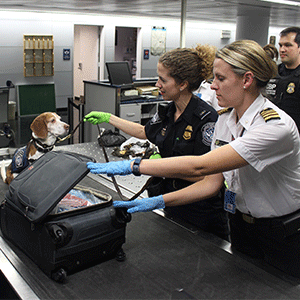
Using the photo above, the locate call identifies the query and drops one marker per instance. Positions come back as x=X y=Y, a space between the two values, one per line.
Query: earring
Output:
x=244 y=87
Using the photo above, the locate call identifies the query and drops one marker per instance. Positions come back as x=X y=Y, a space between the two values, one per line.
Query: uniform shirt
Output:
x=270 y=185
x=208 y=95
x=190 y=134
x=284 y=91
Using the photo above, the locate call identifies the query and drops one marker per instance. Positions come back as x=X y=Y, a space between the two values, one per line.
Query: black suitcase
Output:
x=61 y=242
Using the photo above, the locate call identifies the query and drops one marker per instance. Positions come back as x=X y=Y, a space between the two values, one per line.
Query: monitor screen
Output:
x=119 y=72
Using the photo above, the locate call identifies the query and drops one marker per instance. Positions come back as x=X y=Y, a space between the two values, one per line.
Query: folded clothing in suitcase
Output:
x=61 y=240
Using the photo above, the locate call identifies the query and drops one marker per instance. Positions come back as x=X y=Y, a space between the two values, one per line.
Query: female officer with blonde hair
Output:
x=256 y=149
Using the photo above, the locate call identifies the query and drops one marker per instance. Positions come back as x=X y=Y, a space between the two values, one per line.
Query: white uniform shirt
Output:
x=270 y=185
x=208 y=95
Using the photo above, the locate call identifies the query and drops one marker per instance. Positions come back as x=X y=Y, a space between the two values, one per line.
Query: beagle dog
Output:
x=46 y=128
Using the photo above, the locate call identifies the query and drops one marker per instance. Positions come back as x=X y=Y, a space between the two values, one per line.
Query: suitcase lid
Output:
x=40 y=187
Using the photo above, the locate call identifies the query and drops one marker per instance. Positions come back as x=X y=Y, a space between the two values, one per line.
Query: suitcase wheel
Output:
x=59 y=275
x=120 y=256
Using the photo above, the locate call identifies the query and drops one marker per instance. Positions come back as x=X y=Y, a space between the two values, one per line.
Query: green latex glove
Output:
x=155 y=155
x=97 y=117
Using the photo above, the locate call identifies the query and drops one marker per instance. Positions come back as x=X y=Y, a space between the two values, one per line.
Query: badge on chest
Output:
x=291 y=88
x=188 y=132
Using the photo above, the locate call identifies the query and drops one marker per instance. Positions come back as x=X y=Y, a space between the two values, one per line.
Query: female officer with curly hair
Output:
x=184 y=127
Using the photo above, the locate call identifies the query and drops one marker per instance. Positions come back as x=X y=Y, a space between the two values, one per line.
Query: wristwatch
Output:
x=136 y=166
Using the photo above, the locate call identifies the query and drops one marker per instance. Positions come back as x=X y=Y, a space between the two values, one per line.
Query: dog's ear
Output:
x=39 y=127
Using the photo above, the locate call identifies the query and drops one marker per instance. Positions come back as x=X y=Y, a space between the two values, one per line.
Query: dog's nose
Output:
x=67 y=126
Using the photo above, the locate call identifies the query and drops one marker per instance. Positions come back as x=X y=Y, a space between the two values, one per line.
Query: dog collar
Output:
x=40 y=146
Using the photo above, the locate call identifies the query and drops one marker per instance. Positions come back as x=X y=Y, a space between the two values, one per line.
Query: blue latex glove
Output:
x=111 y=168
x=141 y=205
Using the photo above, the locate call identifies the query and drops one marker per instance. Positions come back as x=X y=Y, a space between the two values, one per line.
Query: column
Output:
x=253 y=23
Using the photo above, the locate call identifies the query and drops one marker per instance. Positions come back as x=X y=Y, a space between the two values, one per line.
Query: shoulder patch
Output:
x=224 y=110
x=204 y=113
x=155 y=119
x=269 y=114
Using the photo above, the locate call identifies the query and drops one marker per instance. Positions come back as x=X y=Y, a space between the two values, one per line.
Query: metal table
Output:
x=165 y=260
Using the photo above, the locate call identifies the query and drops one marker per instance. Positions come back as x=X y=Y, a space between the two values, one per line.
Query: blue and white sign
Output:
x=66 y=54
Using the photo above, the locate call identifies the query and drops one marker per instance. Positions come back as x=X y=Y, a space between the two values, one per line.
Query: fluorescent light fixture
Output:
x=286 y=2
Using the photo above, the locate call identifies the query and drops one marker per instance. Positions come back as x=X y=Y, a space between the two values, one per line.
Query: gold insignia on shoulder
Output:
x=224 y=110
x=291 y=88
x=269 y=114
x=188 y=132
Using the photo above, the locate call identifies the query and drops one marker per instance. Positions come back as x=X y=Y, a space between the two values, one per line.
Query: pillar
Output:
x=253 y=24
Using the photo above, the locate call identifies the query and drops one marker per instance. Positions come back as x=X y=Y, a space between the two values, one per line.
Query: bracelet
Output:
x=136 y=166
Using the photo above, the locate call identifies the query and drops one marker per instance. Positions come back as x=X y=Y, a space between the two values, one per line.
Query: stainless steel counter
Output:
x=164 y=260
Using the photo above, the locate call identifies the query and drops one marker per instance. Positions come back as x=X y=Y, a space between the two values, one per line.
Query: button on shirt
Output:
x=270 y=185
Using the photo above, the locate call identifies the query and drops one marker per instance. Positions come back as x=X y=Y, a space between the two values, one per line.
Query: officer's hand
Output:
x=112 y=168
x=97 y=117
x=141 y=205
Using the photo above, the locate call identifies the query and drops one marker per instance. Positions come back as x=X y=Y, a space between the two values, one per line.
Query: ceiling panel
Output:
x=212 y=10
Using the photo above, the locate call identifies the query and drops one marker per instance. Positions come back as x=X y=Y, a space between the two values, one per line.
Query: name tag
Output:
x=229 y=201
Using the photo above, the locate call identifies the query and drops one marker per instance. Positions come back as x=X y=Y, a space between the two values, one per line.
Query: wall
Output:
x=14 y=24
x=12 y=27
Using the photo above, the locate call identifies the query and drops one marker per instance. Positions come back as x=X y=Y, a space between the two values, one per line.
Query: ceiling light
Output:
x=287 y=2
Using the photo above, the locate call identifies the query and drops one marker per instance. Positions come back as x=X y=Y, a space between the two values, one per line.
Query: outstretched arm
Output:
x=201 y=190
x=134 y=129
x=216 y=161
x=131 y=128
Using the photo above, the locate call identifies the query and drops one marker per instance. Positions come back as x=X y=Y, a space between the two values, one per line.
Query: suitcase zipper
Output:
x=79 y=211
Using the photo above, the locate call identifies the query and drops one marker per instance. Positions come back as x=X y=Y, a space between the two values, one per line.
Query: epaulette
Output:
x=269 y=114
x=224 y=110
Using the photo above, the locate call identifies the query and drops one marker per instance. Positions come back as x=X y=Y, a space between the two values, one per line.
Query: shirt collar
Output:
x=248 y=117
x=189 y=111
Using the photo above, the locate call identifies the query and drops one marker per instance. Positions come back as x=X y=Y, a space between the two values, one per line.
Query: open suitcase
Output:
x=61 y=239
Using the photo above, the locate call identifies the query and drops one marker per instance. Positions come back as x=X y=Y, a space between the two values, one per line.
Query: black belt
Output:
x=249 y=219
x=252 y=220
x=284 y=226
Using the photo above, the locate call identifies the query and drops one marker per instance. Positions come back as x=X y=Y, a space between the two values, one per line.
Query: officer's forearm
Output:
x=131 y=128
x=201 y=190
x=219 y=160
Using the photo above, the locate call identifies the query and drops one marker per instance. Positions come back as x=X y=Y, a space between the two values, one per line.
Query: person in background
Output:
x=284 y=89
x=207 y=94
x=184 y=127
x=255 y=149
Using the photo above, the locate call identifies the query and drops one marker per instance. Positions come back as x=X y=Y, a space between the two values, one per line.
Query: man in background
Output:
x=284 y=90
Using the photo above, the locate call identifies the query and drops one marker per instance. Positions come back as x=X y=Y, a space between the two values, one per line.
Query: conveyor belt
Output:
x=164 y=261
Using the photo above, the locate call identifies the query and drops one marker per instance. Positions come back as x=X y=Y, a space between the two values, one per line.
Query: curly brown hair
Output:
x=192 y=65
